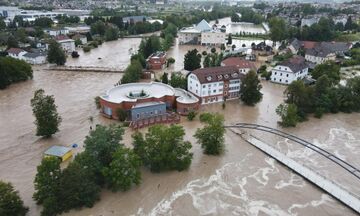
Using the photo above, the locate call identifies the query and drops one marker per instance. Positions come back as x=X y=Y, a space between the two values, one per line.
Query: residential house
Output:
x=67 y=44
x=35 y=58
x=290 y=70
x=16 y=53
x=157 y=61
x=244 y=66
x=80 y=37
x=134 y=19
x=215 y=84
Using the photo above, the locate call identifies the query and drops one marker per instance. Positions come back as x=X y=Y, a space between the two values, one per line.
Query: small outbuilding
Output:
x=61 y=152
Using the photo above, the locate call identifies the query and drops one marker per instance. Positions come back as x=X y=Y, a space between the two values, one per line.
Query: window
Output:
x=280 y=80
x=287 y=75
x=138 y=115
x=286 y=81
x=214 y=91
x=280 y=74
x=275 y=73
x=204 y=86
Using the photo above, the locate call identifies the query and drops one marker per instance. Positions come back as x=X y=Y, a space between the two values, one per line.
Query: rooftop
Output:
x=121 y=93
x=185 y=97
x=217 y=74
x=295 y=63
x=15 y=51
x=57 y=151
x=238 y=62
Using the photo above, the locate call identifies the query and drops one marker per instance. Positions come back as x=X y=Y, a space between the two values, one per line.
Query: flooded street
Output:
x=243 y=181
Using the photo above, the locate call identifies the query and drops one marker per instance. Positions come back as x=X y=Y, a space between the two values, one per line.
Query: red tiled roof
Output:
x=217 y=74
x=308 y=44
x=238 y=62
x=15 y=51
x=61 y=37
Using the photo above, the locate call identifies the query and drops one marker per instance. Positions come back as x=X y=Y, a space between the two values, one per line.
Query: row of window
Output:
x=280 y=80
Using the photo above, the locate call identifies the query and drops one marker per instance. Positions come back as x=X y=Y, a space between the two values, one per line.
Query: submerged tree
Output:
x=10 y=201
x=192 y=60
x=211 y=137
x=124 y=170
x=56 y=54
x=289 y=114
x=250 y=89
x=163 y=148
x=45 y=111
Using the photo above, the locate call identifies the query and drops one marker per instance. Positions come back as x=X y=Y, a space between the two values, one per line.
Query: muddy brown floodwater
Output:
x=242 y=181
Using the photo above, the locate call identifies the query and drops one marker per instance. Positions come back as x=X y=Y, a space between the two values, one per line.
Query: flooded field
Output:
x=243 y=181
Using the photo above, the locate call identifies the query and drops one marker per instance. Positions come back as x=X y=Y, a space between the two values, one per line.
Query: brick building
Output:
x=157 y=61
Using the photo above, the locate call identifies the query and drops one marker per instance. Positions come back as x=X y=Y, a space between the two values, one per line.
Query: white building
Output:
x=203 y=34
x=213 y=37
x=215 y=84
x=31 y=16
x=16 y=53
x=290 y=70
x=55 y=32
x=35 y=58
x=9 y=12
x=67 y=44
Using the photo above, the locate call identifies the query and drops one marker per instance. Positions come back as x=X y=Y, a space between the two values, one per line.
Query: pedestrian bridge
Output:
x=347 y=197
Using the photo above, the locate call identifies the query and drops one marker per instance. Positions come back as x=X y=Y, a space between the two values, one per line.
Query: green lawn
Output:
x=348 y=37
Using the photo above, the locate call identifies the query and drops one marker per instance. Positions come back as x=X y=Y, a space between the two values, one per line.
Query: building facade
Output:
x=145 y=100
x=244 y=66
x=157 y=61
x=290 y=70
x=67 y=44
x=216 y=84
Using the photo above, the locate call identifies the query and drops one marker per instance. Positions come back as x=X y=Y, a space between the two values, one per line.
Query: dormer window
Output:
x=234 y=75
x=220 y=77
x=226 y=76
x=209 y=78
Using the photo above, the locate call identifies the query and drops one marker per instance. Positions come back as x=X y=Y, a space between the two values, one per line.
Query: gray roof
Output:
x=217 y=74
x=295 y=63
x=57 y=151
x=34 y=55
x=203 y=26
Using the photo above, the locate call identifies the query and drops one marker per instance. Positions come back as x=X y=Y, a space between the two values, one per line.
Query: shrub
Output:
x=86 y=48
x=191 y=115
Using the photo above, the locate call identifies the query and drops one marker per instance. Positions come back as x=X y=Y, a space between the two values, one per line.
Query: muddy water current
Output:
x=243 y=181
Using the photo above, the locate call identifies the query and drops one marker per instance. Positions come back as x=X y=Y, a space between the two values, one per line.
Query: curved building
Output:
x=146 y=100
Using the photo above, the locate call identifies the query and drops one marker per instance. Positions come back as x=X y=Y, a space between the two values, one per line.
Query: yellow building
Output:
x=61 y=152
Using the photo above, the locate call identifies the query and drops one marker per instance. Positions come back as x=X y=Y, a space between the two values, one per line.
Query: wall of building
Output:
x=320 y=60
x=145 y=112
x=284 y=75
x=213 y=38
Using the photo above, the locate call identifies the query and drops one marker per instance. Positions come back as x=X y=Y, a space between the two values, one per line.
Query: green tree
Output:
x=330 y=69
x=177 y=80
x=191 y=115
x=163 y=148
x=121 y=114
x=192 y=60
x=132 y=73
x=250 y=89
x=10 y=201
x=229 y=40
x=13 y=70
x=102 y=142
x=45 y=111
x=164 y=78
x=211 y=137
x=12 y=42
x=56 y=54
x=2 y=25
x=98 y=27
x=150 y=45
x=78 y=188
x=139 y=57
x=278 y=29
x=124 y=170
x=207 y=61
x=289 y=114
x=111 y=33
x=47 y=185
x=43 y=22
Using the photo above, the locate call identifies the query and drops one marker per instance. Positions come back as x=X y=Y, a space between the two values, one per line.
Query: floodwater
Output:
x=242 y=181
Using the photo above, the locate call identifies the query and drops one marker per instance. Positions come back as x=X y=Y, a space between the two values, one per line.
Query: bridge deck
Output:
x=348 y=198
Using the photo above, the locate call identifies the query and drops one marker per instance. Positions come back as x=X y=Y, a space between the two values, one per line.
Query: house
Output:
x=80 y=37
x=157 y=61
x=35 y=58
x=215 y=84
x=290 y=70
x=67 y=44
x=262 y=48
x=325 y=51
x=56 y=31
x=244 y=66
x=309 y=21
x=16 y=53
